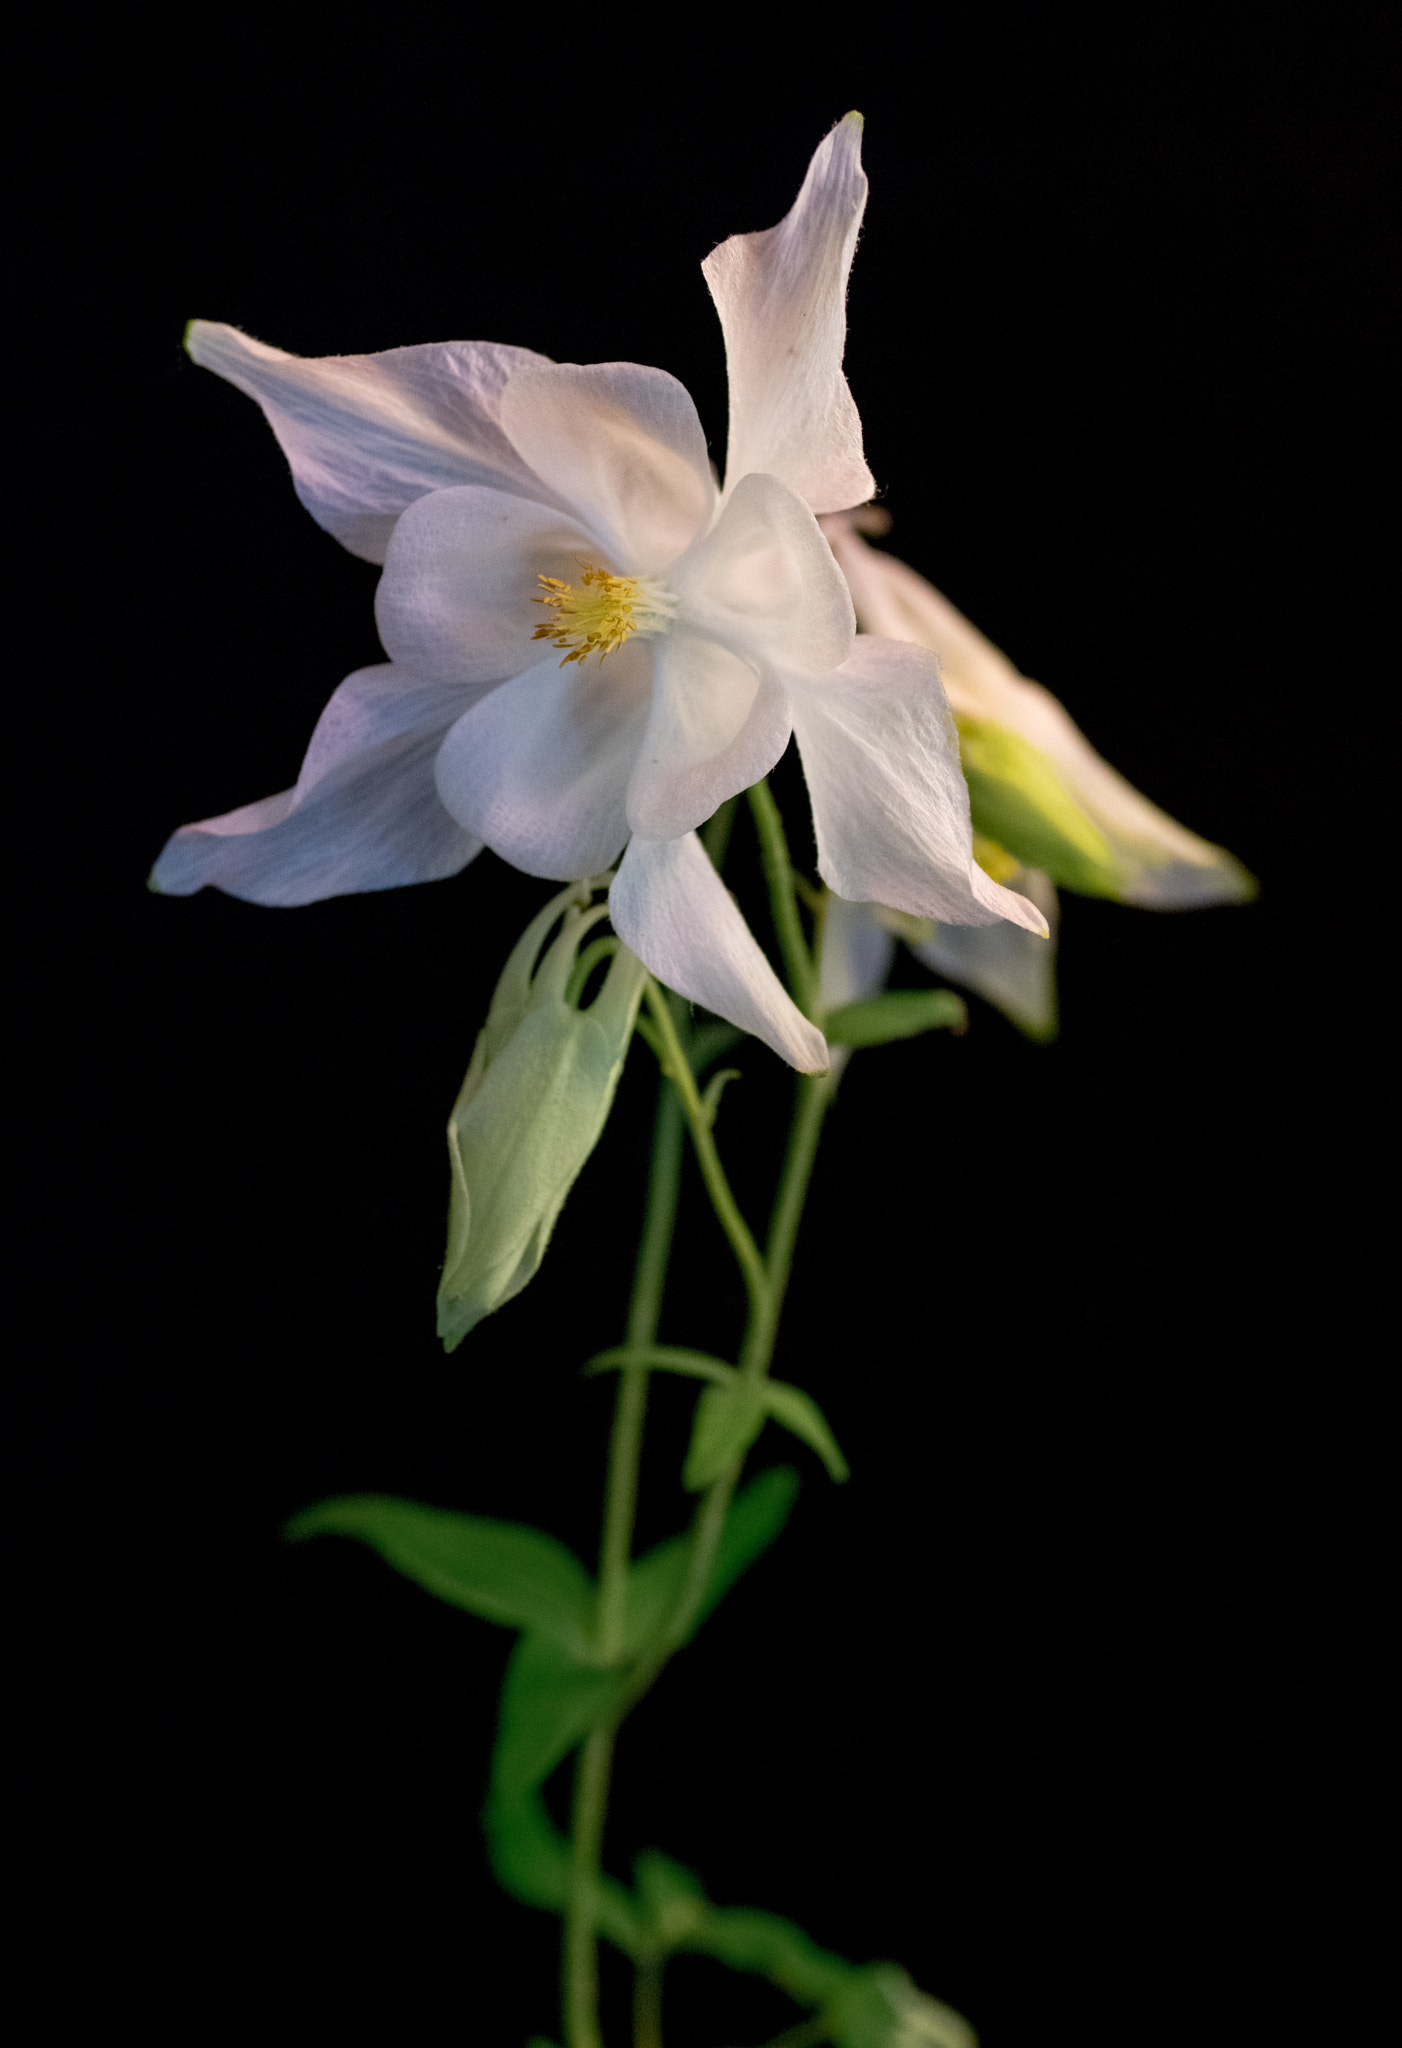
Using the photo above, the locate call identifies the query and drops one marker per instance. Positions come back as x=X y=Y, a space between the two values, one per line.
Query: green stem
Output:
x=647 y=2004
x=815 y=1092
x=581 y=1948
x=625 y=1447
x=778 y=873
x=580 y=1960
x=677 y=1068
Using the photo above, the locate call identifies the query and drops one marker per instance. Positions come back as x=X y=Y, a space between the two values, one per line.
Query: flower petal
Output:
x=672 y=908
x=781 y=296
x=621 y=444
x=1011 y=968
x=455 y=603
x=364 y=813
x=764 y=583
x=890 y=806
x=367 y=435
x=539 y=769
x=856 y=956
x=714 y=728
x=1165 y=866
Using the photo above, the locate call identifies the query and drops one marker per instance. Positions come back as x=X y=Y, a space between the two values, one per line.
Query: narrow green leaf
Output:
x=715 y=1088
x=549 y=1702
x=663 y=1358
x=728 y=1419
x=501 y=1570
x=757 y=1514
x=800 y=1413
x=899 y=1013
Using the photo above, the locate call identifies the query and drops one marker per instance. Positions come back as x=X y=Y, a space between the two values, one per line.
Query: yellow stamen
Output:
x=604 y=612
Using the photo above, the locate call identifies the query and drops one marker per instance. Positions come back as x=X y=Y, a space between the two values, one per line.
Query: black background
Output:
x=1035 y=1705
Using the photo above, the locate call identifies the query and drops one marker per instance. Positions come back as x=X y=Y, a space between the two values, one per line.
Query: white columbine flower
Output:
x=591 y=646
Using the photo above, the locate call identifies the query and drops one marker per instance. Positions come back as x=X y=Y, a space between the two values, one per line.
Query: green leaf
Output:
x=728 y=1419
x=768 y=1946
x=501 y=1570
x=530 y=1858
x=663 y=1358
x=900 y=1013
x=800 y=1413
x=715 y=1088
x=757 y=1514
x=549 y=1702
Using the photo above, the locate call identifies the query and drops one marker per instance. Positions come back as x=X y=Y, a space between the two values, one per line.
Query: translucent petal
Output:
x=781 y=296
x=364 y=813
x=669 y=904
x=539 y=768
x=622 y=444
x=458 y=600
x=1011 y=968
x=714 y=728
x=367 y=435
x=890 y=806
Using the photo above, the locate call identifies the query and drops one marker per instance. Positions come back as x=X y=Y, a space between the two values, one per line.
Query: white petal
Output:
x=623 y=446
x=890 y=804
x=367 y=435
x=714 y=728
x=672 y=908
x=539 y=769
x=457 y=600
x=781 y=296
x=364 y=813
x=856 y=957
x=764 y=583
x=1010 y=968
x=1167 y=867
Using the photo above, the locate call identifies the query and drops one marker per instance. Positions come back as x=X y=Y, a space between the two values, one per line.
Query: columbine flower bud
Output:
x=539 y=1088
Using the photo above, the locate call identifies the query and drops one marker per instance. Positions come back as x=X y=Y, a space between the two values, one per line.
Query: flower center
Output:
x=603 y=612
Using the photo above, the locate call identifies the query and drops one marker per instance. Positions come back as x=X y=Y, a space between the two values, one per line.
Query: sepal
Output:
x=1020 y=803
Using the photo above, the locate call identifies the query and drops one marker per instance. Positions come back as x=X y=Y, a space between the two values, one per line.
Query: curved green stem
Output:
x=778 y=873
x=677 y=1068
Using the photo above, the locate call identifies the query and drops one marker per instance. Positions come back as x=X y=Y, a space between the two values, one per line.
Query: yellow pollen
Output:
x=603 y=612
